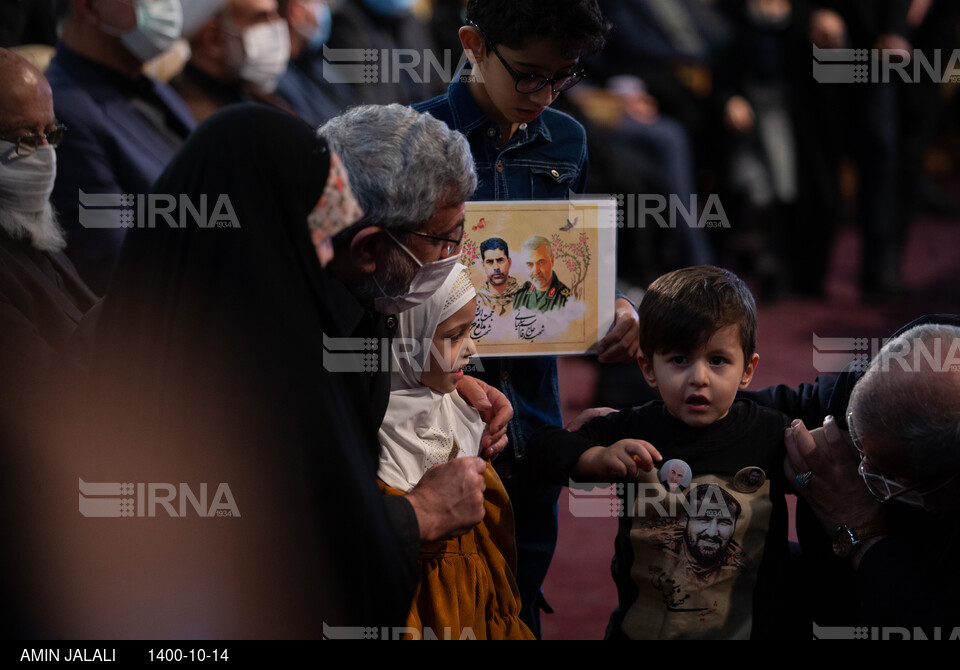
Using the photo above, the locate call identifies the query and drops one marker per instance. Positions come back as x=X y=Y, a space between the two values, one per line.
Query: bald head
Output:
x=906 y=408
x=26 y=107
x=26 y=101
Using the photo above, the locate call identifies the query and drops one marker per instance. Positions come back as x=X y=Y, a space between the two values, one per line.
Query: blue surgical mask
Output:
x=159 y=23
x=390 y=7
x=321 y=33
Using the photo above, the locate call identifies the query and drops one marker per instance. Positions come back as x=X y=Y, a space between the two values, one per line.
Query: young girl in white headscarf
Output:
x=467 y=584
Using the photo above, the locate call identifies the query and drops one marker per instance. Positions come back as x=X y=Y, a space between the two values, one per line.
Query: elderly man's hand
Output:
x=622 y=343
x=448 y=500
x=495 y=410
x=835 y=491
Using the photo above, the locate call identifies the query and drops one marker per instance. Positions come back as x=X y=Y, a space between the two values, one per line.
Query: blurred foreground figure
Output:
x=224 y=491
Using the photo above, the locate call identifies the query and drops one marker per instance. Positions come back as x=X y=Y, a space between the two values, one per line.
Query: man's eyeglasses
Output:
x=27 y=144
x=450 y=245
x=882 y=488
x=531 y=83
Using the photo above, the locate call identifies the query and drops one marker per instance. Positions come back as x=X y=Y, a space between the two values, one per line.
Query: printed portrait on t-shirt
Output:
x=696 y=552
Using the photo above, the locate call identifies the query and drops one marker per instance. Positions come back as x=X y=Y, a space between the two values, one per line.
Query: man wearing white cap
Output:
x=239 y=49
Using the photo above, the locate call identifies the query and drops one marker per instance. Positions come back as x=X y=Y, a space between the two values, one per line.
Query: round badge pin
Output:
x=749 y=479
x=675 y=475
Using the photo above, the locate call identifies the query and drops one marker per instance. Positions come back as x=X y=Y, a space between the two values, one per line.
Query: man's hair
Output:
x=493 y=243
x=577 y=25
x=536 y=242
x=403 y=165
x=910 y=396
x=683 y=309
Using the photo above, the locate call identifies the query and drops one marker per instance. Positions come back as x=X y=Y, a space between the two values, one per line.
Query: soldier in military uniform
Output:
x=544 y=291
x=498 y=291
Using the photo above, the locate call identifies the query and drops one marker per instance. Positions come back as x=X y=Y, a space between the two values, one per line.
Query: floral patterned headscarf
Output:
x=336 y=210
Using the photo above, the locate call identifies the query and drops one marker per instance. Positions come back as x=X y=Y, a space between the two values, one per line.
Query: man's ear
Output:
x=646 y=367
x=210 y=40
x=474 y=46
x=86 y=11
x=363 y=249
x=748 y=371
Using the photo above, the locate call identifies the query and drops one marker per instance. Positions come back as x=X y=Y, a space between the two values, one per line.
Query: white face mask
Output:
x=426 y=282
x=266 y=51
x=159 y=23
x=26 y=182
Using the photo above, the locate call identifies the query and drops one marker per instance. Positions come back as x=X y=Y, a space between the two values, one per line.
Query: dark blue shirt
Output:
x=544 y=160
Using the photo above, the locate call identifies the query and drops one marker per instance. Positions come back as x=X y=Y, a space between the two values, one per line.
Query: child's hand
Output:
x=621 y=460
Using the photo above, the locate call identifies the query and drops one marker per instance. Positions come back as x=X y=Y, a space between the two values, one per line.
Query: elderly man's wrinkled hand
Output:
x=495 y=410
x=822 y=467
x=448 y=500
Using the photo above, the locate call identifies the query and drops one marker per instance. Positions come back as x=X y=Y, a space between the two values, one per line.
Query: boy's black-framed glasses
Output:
x=531 y=83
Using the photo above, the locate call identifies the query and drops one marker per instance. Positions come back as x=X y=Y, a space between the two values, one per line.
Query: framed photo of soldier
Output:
x=544 y=273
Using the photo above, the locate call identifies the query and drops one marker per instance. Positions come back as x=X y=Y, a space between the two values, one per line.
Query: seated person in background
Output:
x=307 y=85
x=708 y=561
x=427 y=423
x=41 y=297
x=124 y=126
x=238 y=54
x=28 y=23
x=402 y=68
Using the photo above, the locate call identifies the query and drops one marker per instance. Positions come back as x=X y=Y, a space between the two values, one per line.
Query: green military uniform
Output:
x=554 y=297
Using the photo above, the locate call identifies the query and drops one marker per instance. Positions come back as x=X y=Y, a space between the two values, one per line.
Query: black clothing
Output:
x=209 y=367
x=909 y=578
x=748 y=437
x=42 y=299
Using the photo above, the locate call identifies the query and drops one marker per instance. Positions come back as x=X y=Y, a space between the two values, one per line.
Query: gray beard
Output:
x=41 y=228
x=394 y=274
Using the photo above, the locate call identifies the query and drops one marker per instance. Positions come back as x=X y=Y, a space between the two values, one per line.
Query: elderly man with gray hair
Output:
x=882 y=478
x=411 y=175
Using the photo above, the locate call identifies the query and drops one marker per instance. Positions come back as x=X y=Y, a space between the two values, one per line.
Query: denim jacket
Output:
x=545 y=160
